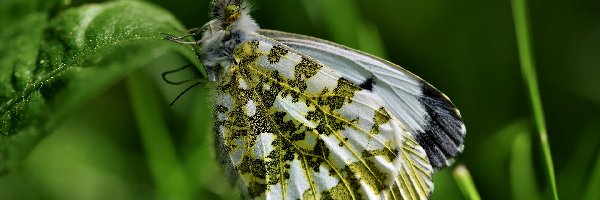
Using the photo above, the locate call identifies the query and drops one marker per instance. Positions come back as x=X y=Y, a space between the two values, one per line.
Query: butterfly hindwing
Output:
x=289 y=126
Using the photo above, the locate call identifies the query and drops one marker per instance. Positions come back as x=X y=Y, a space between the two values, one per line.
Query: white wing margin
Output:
x=422 y=109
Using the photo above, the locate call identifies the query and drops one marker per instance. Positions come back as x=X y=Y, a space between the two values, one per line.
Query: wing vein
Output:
x=347 y=146
x=414 y=174
x=309 y=178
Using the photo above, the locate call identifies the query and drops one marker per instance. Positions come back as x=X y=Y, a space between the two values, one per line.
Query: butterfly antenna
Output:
x=186 y=90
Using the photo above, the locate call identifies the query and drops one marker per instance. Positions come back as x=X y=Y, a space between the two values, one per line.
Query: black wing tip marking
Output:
x=443 y=137
x=368 y=84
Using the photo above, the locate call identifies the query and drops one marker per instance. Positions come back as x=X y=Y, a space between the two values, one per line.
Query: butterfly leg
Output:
x=179 y=40
x=190 y=32
x=196 y=81
x=167 y=73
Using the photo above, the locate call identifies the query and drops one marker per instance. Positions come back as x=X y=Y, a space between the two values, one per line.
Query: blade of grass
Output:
x=528 y=69
x=465 y=182
x=166 y=170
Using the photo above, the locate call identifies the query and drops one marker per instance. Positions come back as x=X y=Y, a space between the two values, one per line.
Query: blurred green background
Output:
x=466 y=48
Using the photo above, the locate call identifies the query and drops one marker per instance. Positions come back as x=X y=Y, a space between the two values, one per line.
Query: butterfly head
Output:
x=227 y=11
x=230 y=14
x=231 y=24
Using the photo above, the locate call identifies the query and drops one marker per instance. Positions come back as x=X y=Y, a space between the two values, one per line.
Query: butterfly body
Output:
x=301 y=118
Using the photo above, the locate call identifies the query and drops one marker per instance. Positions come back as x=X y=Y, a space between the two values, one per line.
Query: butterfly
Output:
x=298 y=117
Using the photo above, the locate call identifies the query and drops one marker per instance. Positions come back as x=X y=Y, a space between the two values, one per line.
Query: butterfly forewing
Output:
x=290 y=127
x=425 y=112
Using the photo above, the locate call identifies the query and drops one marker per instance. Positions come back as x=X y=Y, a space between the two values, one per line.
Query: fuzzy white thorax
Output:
x=218 y=42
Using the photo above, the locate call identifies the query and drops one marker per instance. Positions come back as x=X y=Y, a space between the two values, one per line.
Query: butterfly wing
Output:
x=290 y=126
x=426 y=112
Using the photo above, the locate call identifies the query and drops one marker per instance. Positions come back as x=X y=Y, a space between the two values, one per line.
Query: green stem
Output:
x=465 y=182
x=528 y=69
x=167 y=172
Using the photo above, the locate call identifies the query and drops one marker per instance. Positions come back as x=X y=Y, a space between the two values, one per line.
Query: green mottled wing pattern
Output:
x=289 y=127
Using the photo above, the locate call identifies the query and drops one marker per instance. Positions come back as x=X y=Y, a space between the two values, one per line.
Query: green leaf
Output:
x=18 y=49
x=55 y=66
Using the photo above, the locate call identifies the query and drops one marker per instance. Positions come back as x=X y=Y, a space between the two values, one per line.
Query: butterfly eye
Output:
x=232 y=13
